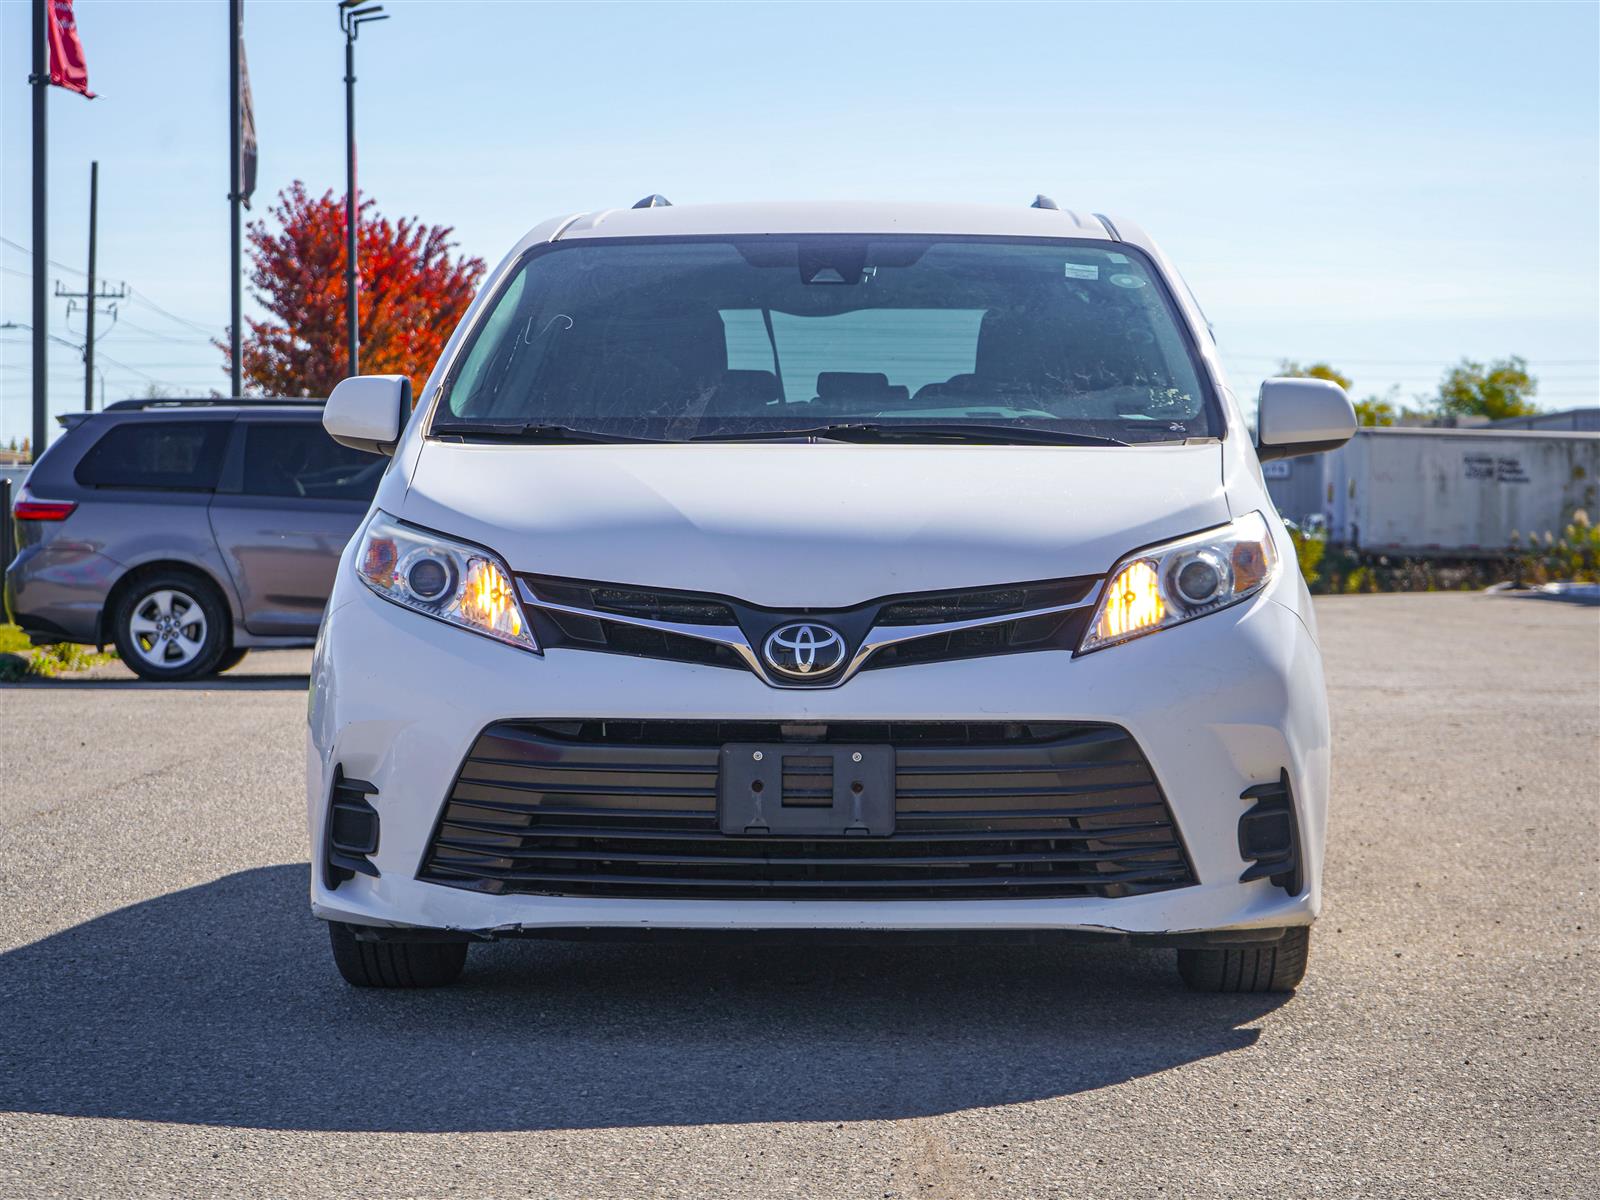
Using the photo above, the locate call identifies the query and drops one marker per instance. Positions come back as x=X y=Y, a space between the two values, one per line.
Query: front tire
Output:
x=231 y=659
x=389 y=964
x=1276 y=967
x=170 y=626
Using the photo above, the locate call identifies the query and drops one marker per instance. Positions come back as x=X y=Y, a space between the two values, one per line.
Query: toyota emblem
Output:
x=803 y=650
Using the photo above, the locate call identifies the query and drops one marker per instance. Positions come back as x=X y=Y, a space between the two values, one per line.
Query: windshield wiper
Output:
x=526 y=431
x=916 y=431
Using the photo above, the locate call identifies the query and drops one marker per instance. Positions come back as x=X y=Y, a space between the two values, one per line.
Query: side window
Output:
x=301 y=462
x=170 y=455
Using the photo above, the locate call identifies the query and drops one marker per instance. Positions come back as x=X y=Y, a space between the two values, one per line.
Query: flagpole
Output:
x=40 y=79
x=89 y=301
x=352 y=210
x=235 y=186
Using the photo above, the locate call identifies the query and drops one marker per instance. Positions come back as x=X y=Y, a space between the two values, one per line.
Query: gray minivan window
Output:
x=678 y=338
x=300 y=461
x=179 y=456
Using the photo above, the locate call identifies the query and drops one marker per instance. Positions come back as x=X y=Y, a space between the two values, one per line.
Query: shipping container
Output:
x=1457 y=493
x=1586 y=419
x=1296 y=487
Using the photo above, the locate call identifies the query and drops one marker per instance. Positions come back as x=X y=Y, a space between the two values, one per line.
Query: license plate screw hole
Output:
x=756 y=785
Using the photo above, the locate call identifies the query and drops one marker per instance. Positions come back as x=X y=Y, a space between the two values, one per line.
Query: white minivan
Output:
x=863 y=571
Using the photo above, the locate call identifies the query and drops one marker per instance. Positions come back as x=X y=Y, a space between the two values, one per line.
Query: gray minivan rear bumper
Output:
x=55 y=593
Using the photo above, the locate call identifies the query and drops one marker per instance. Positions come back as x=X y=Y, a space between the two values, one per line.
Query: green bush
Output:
x=1574 y=556
x=1309 y=547
x=20 y=660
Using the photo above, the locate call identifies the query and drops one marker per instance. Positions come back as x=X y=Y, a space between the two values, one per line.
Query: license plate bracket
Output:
x=793 y=789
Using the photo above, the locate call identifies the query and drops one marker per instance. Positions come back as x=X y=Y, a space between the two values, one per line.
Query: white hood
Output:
x=814 y=525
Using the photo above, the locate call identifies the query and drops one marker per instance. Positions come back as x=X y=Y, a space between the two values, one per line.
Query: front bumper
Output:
x=1219 y=705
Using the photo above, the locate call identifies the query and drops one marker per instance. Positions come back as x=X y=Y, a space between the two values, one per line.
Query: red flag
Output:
x=67 y=68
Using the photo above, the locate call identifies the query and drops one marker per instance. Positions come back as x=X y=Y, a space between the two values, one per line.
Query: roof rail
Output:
x=1043 y=201
x=654 y=200
x=212 y=402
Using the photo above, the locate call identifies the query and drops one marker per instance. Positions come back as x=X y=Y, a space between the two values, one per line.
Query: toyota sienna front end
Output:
x=877 y=570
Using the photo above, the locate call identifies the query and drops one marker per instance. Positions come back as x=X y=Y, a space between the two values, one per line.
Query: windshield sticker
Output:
x=1127 y=281
x=1081 y=271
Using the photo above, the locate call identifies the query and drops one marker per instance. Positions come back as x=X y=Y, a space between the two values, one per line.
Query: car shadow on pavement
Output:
x=220 y=1005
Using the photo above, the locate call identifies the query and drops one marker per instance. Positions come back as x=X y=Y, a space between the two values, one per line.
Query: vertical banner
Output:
x=247 y=129
x=67 y=68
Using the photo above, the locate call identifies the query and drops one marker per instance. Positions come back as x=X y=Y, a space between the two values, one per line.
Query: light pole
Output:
x=235 y=198
x=353 y=14
x=39 y=78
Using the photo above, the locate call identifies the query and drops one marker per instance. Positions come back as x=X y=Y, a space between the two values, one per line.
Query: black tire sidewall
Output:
x=231 y=659
x=218 y=627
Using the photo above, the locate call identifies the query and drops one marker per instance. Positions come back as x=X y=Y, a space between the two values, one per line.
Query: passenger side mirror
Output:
x=368 y=412
x=1302 y=416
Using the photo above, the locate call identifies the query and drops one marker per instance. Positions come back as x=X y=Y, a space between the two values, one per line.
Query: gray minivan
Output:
x=186 y=532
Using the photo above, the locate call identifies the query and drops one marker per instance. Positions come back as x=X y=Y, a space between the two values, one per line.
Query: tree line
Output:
x=1494 y=391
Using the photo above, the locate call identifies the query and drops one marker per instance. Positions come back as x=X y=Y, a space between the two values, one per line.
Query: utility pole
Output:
x=235 y=195
x=352 y=211
x=352 y=16
x=88 y=337
x=90 y=295
x=39 y=80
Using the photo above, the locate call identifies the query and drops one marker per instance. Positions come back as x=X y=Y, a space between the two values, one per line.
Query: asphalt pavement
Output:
x=171 y=1022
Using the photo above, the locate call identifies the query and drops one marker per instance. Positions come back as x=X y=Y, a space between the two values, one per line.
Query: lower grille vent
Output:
x=595 y=808
x=352 y=833
x=1269 y=836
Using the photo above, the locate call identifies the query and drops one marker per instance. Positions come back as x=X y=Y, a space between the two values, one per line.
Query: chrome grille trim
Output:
x=732 y=637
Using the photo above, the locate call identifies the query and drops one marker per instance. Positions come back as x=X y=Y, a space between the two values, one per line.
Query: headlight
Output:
x=457 y=583
x=1178 y=581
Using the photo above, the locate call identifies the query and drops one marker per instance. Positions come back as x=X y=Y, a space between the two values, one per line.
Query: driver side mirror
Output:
x=368 y=412
x=1302 y=416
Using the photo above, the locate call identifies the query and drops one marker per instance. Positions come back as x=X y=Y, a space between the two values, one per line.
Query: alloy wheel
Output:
x=168 y=628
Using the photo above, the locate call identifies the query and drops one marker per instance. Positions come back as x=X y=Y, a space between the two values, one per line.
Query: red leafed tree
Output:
x=413 y=292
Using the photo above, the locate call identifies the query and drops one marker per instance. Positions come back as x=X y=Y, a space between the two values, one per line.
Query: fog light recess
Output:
x=352 y=832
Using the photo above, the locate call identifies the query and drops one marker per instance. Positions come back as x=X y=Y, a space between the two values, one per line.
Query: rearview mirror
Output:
x=368 y=412
x=1302 y=416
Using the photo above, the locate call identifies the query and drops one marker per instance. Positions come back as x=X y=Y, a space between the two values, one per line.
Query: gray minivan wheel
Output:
x=171 y=625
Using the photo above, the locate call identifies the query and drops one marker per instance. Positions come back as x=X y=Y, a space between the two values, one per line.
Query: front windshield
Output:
x=675 y=339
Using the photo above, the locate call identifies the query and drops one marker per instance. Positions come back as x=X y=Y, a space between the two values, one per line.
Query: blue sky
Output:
x=1388 y=187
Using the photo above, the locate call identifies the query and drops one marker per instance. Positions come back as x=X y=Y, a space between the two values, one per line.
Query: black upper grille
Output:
x=1052 y=631
x=682 y=607
x=934 y=607
x=599 y=808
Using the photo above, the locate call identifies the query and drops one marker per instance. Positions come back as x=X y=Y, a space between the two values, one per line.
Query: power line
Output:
x=166 y=337
x=134 y=293
x=179 y=367
x=23 y=249
x=1398 y=362
x=135 y=370
x=140 y=298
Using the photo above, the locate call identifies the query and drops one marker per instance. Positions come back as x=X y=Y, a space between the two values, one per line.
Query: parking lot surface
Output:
x=171 y=1022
